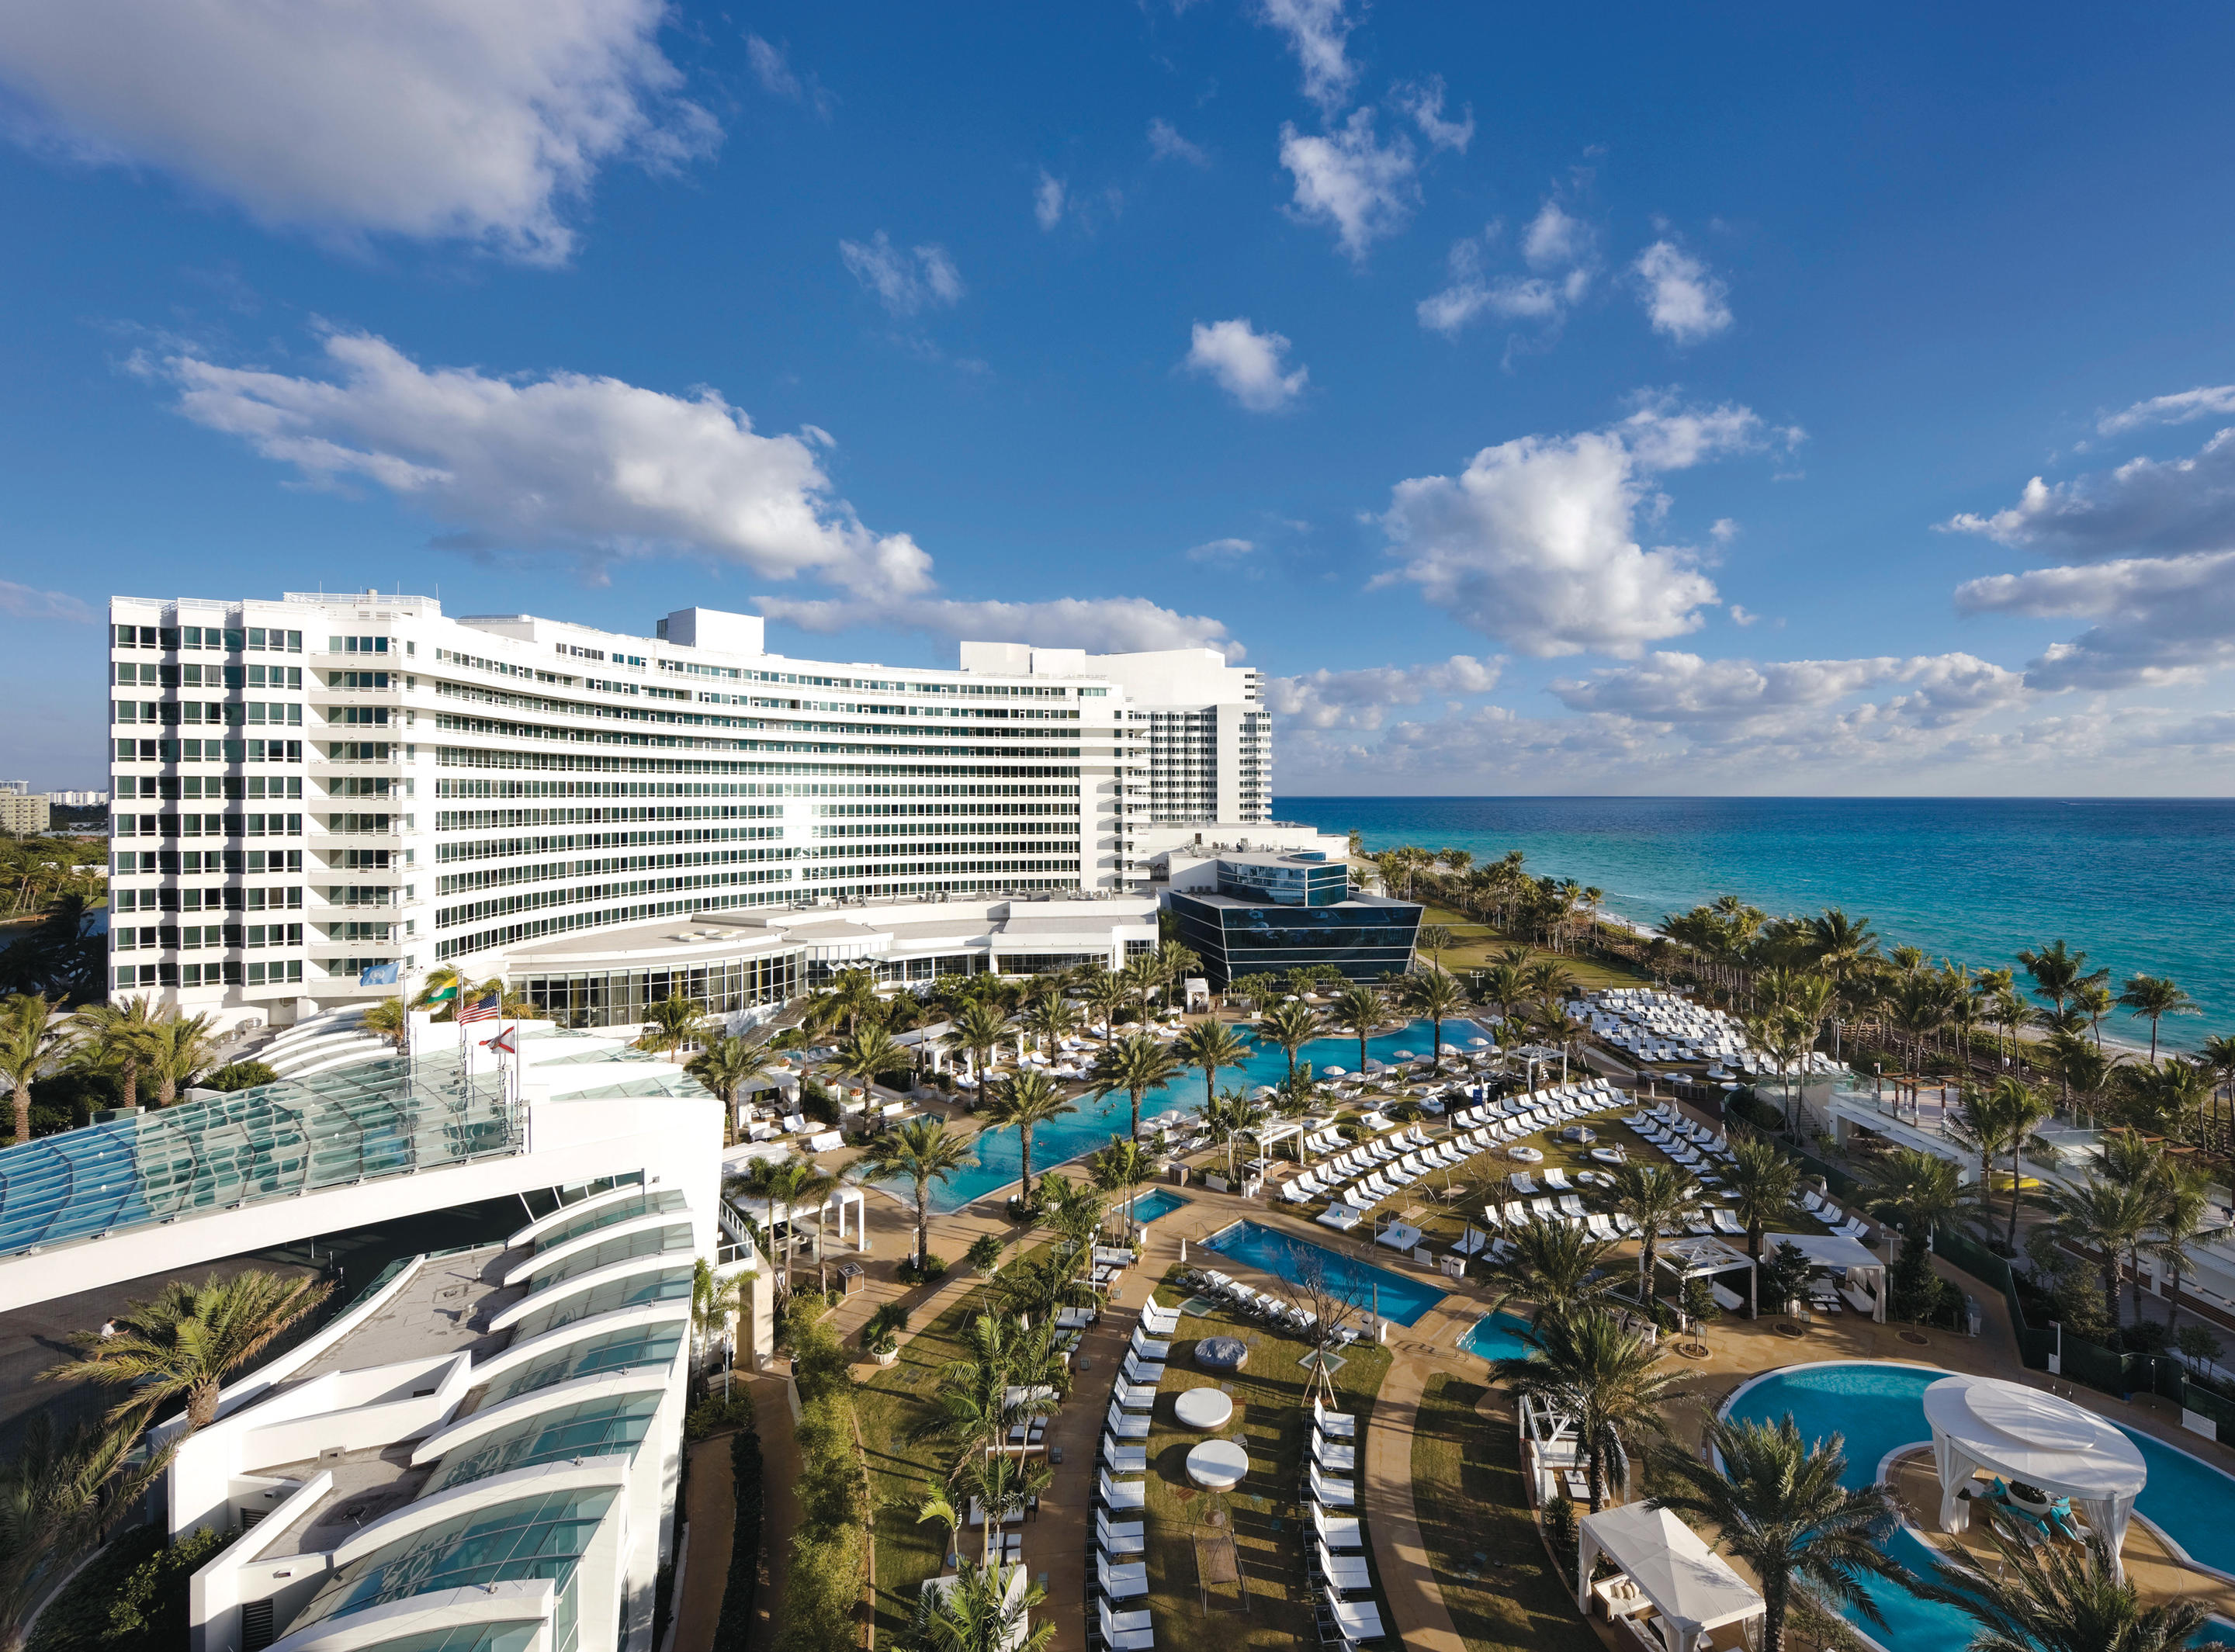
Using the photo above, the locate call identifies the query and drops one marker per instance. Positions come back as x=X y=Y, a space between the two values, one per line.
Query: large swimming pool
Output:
x=1001 y=1156
x=1397 y=1298
x=1880 y=1408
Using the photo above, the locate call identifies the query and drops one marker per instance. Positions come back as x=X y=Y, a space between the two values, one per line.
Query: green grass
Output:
x=1271 y=1529
x=1467 y=1490
x=1478 y=946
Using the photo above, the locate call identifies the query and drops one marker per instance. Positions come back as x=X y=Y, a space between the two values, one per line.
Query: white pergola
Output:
x=1275 y=1130
x=2050 y=1444
x=1702 y=1258
x=1693 y=1591
x=1863 y=1268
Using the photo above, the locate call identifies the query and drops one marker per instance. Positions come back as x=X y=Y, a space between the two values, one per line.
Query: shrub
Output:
x=2198 y=1345
x=133 y=1599
x=740 y=1593
x=935 y=1266
x=714 y=1414
x=1560 y=1531
x=1699 y=1301
x=985 y=1253
x=240 y=1075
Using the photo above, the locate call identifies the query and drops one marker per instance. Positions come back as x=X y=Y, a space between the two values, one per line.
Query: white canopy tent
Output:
x=1703 y=1258
x=1273 y=1131
x=1692 y=1588
x=1863 y=1268
x=2048 y=1443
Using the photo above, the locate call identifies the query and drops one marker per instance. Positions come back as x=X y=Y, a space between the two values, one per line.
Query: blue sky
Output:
x=1644 y=400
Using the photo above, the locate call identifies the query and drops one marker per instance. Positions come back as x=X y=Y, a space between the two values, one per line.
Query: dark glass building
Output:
x=1274 y=913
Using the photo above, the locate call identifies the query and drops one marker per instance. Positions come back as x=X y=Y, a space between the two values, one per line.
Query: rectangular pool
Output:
x=1162 y=1203
x=1398 y=1299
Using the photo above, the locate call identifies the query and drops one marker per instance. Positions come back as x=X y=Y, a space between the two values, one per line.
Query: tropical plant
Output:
x=2112 y=1218
x=2057 y=1597
x=241 y=1075
x=2152 y=998
x=672 y=1023
x=390 y=1019
x=1844 y=949
x=979 y=1026
x=116 y=1036
x=1602 y=1378
x=1433 y=992
x=727 y=1066
x=1024 y=1103
x=1210 y=1044
x=714 y=1301
x=1654 y=1197
x=1134 y=1064
x=2164 y=1095
x=1120 y=1169
x=1555 y=1265
x=868 y=1051
x=982 y=1610
x=1358 y=1008
x=186 y=1339
x=852 y=996
x=1174 y=962
x=179 y=1048
x=1230 y=1117
x=781 y=1187
x=2186 y=1218
x=31 y=1040
x=1106 y=993
x=1050 y=1018
x=920 y=1152
x=1780 y=1505
x=1290 y=1025
x=1919 y=1190
x=1764 y=1181
x=61 y=1496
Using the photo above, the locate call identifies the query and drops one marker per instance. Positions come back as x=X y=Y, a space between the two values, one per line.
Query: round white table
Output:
x=1217 y=1465
x=1203 y=1408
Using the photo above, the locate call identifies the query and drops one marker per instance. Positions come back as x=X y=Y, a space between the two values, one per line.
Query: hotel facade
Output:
x=308 y=787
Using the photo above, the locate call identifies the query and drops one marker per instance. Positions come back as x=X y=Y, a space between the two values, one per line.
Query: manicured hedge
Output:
x=741 y=1593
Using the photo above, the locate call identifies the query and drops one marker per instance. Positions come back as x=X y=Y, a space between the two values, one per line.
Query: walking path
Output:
x=780 y=1516
x=712 y=1510
x=1400 y=1554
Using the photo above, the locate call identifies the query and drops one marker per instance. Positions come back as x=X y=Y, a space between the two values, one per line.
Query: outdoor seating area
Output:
x=1116 y=1572
x=1340 y=1583
x=2054 y=1470
x=1670 y=1592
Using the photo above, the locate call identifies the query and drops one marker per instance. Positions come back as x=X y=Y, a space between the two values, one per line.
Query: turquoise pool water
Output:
x=1000 y=1157
x=1162 y=1203
x=1398 y=1299
x=1499 y=1336
x=1880 y=1408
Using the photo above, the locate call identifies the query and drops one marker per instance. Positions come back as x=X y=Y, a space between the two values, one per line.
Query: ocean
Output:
x=2142 y=886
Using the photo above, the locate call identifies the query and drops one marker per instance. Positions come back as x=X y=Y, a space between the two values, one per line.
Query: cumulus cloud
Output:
x=1669 y=689
x=593 y=466
x=1557 y=249
x=1317 y=32
x=1246 y=363
x=1535 y=542
x=1349 y=180
x=1359 y=699
x=1220 y=549
x=29 y=602
x=2204 y=402
x=1047 y=201
x=1424 y=102
x=2160 y=619
x=2165 y=507
x=904 y=281
x=772 y=67
x=418 y=118
x=1683 y=298
x=1109 y=625
x=1166 y=144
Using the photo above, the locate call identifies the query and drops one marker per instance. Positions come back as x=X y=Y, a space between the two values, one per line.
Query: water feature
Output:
x=1398 y=1299
x=1499 y=1336
x=1160 y=1203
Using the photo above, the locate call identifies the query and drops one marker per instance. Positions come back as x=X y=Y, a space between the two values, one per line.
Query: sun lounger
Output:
x=1122 y=1583
x=1332 y=1493
x=1125 y=1631
x=1725 y=1223
x=1349 y=1572
x=1141 y=1371
x=1134 y=1396
x=1337 y=1531
x=1852 y=1227
x=1341 y=1218
x=1158 y=1320
x=1356 y=1620
x=1556 y=1180
x=1572 y=1204
x=1129 y=1538
x=1524 y=1183
x=1125 y=1459
x=1127 y=1424
x=1728 y=1300
x=1331 y=1455
x=1336 y=1425
x=1601 y=1226
x=1121 y=1494
x=1148 y=1347
x=1471 y=1241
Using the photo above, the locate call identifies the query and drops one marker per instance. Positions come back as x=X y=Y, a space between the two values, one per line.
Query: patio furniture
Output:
x=1217 y=1465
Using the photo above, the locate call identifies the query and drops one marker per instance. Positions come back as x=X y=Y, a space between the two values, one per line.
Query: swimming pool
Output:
x=1001 y=1156
x=1880 y=1408
x=1499 y=1336
x=1161 y=1203
x=1396 y=1298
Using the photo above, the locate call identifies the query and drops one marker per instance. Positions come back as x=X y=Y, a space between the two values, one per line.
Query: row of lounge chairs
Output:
x=1120 y=1573
x=1337 y=1567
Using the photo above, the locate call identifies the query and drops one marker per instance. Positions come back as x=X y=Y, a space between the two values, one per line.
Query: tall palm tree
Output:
x=2094 y=999
x=779 y=1186
x=1023 y=1105
x=868 y=1051
x=714 y=1301
x=1982 y=1122
x=179 y=1048
x=920 y=1152
x=1436 y=994
x=2056 y=969
x=2184 y=1221
x=1050 y=1018
x=186 y=1339
x=1919 y=1190
x=2164 y=1095
x=390 y=1019
x=1602 y=1377
x=1210 y=1046
x=1555 y=1265
x=61 y=1496
x=1844 y=948
x=2022 y=1110
x=1360 y=1008
x=1779 y=1505
x=1119 y=1169
x=2057 y=1598
x=1291 y=1025
x=1135 y=1063
x=1765 y=1181
x=2217 y=1057
x=2152 y=998
x=726 y=1066
x=852 y=996
x=1231 y=1116
x=1654 y=1197
x=116 y=1035
x=979 y=1026
x=2112 y=1218
x=1106 y=993
x=31 y=1042
x=1174 y=963
x=671 y=1024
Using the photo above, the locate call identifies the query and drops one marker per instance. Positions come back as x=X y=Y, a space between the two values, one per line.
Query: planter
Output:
x=886 y=1356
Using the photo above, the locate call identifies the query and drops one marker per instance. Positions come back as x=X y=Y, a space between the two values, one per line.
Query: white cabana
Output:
x=1273 y=1131
x=1693 y=1591
x=2039 y=1439
x=1864 y=1269
x=1704 y=1258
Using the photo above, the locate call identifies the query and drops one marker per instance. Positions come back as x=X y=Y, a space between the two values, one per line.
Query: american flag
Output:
x=479 y=1009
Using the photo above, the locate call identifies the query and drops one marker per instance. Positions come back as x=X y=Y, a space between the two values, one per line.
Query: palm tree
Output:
x=178 y=1050
x=2164 y=1095
x=1050 y=1018
x=1024 y=1103
x=2112 y=1218
x=1435 y=994
x=1118 y=1170
x=1210 y=1044
x=1557 y=1265
x=1588 y=1368
x=1844 y=947
x=1765 y=1181
x=116 y=1035
x=1292 y=1026
x=185 y=1341
x=2186 y=1217
x=1501 y=986
x=2093 y=999
x=714 y=1301
x=1360 y=1008
x=853 y=994
x=1982 y=1122
x=869 y=1051
x=1919 y=1189
x=1106 y=993
x=2022 y=1110
x=923 y=1152
x=2152 y=998
x=1654 y=1197
x=977 y=1027
x=390 y=1020
x=1135 y=1063
x=1230 y=1118
x=2057 y=1598
x=670 y=1024
x=1780 y=1504
x=726 y=1066
x=31 y=1042
x=777 y=1186
x=1175 y=962
x=61 y=1496
x=2218 y=1058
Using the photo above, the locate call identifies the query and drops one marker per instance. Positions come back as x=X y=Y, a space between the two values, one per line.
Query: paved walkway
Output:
x=1409 y=1592
x=780 y=1517
x=712 y=1508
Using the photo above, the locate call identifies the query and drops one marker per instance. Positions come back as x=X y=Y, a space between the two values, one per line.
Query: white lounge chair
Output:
x=1333 y=1455
x=1356 y=1620
x=1349 y=1572
x=1125 y=1459
x=1333 y=1493
x=1128 y=1537
x=1133 y=1396
x=1159 y=1320
x=1148 y=1347
x=1136 y=1369
x=1337 y=1531
x=1125 y=1631
x=1336 y=1424
x=1127 y=1424
x=1128 y=1581
x=1121 y=1495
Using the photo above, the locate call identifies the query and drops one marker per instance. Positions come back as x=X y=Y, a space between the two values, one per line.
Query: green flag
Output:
x=441 y=994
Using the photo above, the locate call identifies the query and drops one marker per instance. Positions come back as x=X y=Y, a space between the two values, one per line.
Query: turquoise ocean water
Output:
x=2142 y=886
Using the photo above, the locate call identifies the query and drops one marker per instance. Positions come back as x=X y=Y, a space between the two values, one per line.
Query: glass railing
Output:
x=387 y=1117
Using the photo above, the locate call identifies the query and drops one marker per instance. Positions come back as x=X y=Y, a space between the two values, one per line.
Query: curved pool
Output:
x=1879 y=1408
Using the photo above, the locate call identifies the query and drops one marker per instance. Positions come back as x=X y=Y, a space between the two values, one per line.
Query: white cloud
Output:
x=29 y=602
x=1317 y=31
x=1723 y=530
x=1535 y=543
x=419 y=118
x=1669 y=690
x=2166 y=506
x=1741 y=617
x=1047 y=201
x=594 y=468
x=1357 y=699
x=905 y=282
x=1683 y=298
x=1112 y=625
x=772 y=67
x=1246 y=363
x=2206 y=401
x=1365 y=189
x=1559 y=248
x=1424 y=102
x=1220 y=549
x=1555 y=240
x=1166 y=144
x=2161 y=619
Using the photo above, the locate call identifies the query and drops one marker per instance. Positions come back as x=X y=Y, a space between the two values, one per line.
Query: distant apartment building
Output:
x=20 y=815
x=77 y=799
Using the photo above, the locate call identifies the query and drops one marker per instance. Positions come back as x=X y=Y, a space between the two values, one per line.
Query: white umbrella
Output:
x=1403 y=1055
x=1335 y=1073
x=1480 y=1043
x=1447 y=1049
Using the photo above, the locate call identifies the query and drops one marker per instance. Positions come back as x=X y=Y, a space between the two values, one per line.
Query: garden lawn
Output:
x=1272 y=1531
x=1496 y=1583
x=1476 y=946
